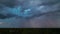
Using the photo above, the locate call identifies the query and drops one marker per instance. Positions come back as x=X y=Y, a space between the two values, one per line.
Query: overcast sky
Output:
x=25 y=8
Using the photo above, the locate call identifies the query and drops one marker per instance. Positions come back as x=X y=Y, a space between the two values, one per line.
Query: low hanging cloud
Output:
x=15 y=11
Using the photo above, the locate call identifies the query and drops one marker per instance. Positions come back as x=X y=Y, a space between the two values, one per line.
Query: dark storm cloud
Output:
x=4 y=13
x=9 y=3
x=37 y=7
x=29 y=9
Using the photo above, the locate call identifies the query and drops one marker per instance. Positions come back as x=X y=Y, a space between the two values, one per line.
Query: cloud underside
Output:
x=37 y=7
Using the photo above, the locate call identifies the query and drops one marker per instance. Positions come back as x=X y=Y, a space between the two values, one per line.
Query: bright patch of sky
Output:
x=17 y=11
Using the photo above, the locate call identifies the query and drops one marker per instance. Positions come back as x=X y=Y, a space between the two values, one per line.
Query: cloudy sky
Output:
x=14 y=12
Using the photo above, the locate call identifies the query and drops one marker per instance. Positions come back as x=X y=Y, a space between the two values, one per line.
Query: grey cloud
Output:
x=39 y=8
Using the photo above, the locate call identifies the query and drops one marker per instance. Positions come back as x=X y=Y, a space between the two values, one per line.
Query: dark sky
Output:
x=13 y=10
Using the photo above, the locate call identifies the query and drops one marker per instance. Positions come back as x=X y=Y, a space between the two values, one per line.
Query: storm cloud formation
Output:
x=29 y=13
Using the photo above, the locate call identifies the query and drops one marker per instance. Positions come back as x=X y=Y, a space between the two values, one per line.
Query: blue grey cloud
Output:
x=15 y=11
